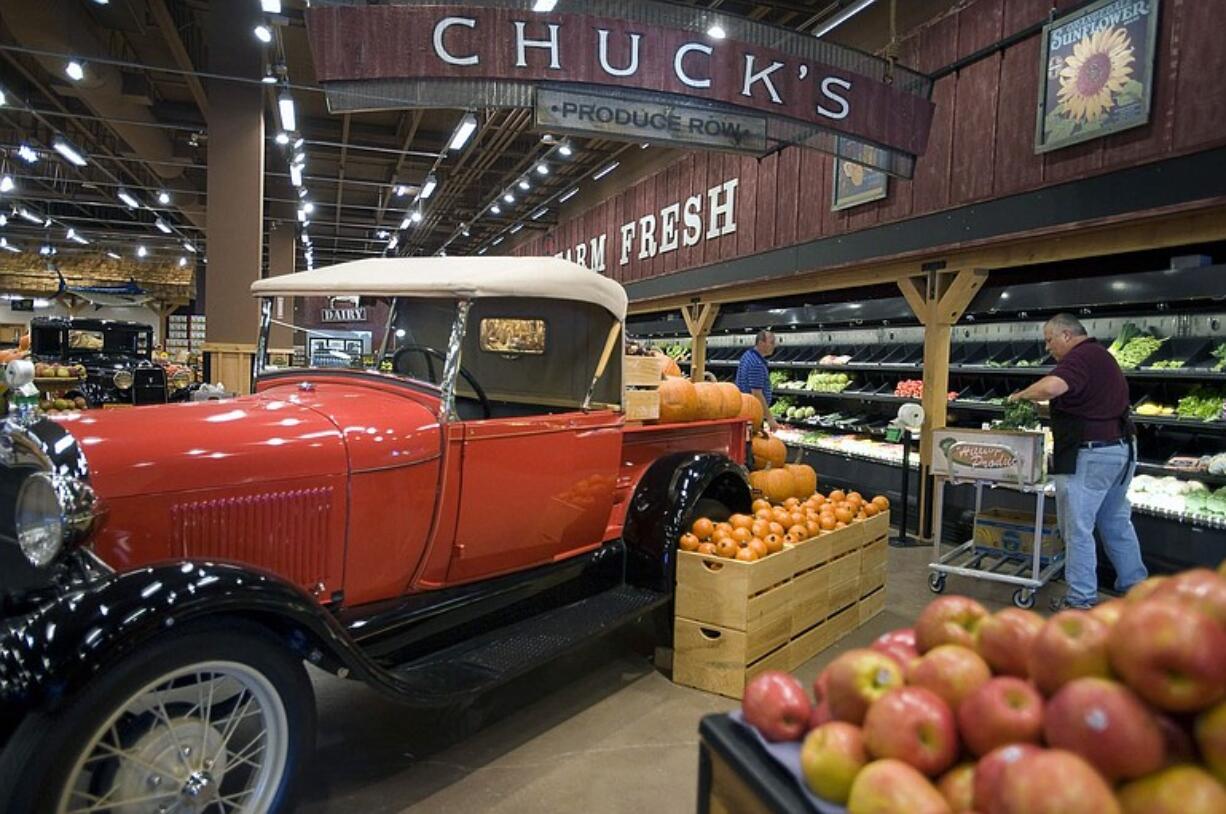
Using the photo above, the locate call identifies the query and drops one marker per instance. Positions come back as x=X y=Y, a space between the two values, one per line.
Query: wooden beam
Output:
x=699 y=317
x=961 y=290
x=170 y=33
x=915 y=298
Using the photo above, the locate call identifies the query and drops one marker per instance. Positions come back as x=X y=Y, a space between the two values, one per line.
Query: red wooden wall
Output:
x=981 y=145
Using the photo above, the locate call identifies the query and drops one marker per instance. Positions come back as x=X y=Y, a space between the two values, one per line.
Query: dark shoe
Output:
x=1063 y=603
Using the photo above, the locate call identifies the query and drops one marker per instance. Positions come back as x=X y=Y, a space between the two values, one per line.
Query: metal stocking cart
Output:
x=992 y=458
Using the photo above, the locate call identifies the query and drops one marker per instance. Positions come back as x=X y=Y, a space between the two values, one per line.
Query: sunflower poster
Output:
x=854 y=183
x=1097 y=72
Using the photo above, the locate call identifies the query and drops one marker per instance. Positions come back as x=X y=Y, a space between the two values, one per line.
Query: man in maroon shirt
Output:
x=1093 y=460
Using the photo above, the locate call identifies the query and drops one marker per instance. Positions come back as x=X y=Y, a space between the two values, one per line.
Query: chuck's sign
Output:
x=498 y=53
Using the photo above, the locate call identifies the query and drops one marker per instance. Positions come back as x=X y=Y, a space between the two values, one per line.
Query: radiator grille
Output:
x=285 y=532
x=148 y=385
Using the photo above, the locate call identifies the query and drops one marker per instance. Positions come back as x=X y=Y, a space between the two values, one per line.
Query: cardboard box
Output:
x=1012 y=532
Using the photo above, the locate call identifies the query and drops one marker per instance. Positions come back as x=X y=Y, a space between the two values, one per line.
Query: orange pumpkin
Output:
x=760 y=528
x=827 y=522
x=746 y=555
x=731 y=400
x=710 y=400
x=761 y=504
x=768 y=452
x=774 y=543
x=806 y=479
x=751 y=411
x=778 y=484
x=727 y=548
x=869 y=509
x=669 y=367
x=799 y=531
x=758 y=547
x=757 y=482
x=740 y=521
x=842 y=515
x=703 y=528
x=881 y=502
x=837 y=496
x=776 y=529
x=707 y=548
x=678 y=400
x=689 y=542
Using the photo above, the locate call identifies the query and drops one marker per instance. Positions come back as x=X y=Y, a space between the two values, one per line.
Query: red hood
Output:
x=280 y=434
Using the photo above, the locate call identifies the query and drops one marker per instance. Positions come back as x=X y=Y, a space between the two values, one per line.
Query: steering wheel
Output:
x=428 y=352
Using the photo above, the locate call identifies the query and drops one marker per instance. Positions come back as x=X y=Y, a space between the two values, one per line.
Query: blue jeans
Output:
x=1097 y=495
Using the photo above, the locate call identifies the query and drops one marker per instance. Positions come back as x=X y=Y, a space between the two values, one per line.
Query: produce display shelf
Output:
x=1193 y=519
x=1193 y=373
x=852 y=455
x=1176 y=374
x=1161 y=470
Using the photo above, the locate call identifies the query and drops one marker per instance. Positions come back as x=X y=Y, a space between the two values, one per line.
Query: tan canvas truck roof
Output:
x=452 y=277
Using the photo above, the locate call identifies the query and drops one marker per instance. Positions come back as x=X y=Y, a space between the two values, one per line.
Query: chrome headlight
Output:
x=180 y=379
x=51 y=511
x=123 y=379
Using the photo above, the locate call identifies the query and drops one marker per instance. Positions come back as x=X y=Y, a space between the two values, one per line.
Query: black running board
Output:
x=493 y=658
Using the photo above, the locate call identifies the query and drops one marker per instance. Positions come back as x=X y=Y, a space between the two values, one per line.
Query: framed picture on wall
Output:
x=1097 y=72
x=856 y=183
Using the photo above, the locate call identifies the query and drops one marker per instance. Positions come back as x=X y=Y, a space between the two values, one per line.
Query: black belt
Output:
x=1119 y=442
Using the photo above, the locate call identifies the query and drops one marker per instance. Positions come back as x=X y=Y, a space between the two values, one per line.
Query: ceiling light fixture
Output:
x=540 y=213
x=64 y=148
x=32 y=217
x=496 y=209
x=497 y=240
x=76 y=238
x=544 y=5
x=295 y=174
x=842 y=17
x=482 y=250
x=75 y=70
x=391 y=244
x=308 y=207
x=263 y=34
x=3 y=99
x=128 y=199
x=381 y=234
x=566 y=150
x=716 y=32
x=416 y=216
x=516 y=228
x=161 y=225
x=605 y=170
x=6 y=184
x=401 y=190
x=4 y=244
x=270 y=6
x=524 y=185
x=182 y=262
x=163 y=197
x=188 y=245
x=141 y=251
x=298 y=142
x=568 y=195
x=428 y=186
x=404 y=224
x=463 y=132
x=285 y=103
x=26 y=154
x=542 y=168
x=282 y=138
x=113 y=256
x=509 y=198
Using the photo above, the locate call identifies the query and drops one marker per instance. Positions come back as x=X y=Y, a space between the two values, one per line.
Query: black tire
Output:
x=44 y=749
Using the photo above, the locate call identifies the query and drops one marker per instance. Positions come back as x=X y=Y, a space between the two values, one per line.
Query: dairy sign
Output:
x=786 y=86
x=683 y=223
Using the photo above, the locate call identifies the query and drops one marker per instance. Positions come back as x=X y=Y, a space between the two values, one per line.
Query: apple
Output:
x=857 y=679
x=1199 y=588
x=776 y=704
x=1172 y=655
x=1109 y=611
x=1004 y=710
x=913 y=725
x=898 y=644
x=1143 y=589
x=1177 y=790
x=1108 y=725
x=991 y=768
x=957 y=786
x=1004 y=639
x=948 y=620
x=1178 y=743
x=1211 y=738
x=1072 y=644
x=821 y=710
x=886 y=786
x=951 y=671
x=831 y=757
x=1053 y=781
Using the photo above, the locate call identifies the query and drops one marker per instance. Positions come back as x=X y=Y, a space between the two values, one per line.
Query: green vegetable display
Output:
x=1201 y=403
x=780 y=407
x=820 y=382
x=778 y=378
x=1019 y=415
x=1168 y=364
x=1133 y=346
x=1219 y=353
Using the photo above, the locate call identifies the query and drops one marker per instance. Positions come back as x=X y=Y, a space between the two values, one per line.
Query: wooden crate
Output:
x=641 y=405
x=846 y=539
x=732 y=593
x=808 y=643
x=722 y=660
x=843 y=622
x=871 y=605
x=876 y=526
x=810 y=598
x=844 y=580
x=642 y=371
x=813 y=551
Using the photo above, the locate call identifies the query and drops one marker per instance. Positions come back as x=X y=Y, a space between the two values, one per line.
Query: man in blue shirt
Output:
x=753 y=374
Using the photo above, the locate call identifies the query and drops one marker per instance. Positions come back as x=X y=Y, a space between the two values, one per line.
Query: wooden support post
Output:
x=699 y=317
x=944 y=299
x=73 y=304
x=163 y=309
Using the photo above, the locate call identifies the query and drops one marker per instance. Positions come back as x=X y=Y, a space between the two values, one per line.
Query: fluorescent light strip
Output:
x=568 y=195
x=608 y=168
x=285 y=103
x=26 y=154
x=295 y=174
x=69 y=152
x=264 y=35
x=26 y=214
x=544 y=5
x=497 y=240
x=161 y=225
x=6 y=184
x=516 y=228
x=428 y=186
x=270 y=6
x=540 y=213
x=463 y=132
x=128 y=199
x=842 y=17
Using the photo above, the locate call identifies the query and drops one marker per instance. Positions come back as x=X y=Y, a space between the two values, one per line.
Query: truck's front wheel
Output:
x=214 y=719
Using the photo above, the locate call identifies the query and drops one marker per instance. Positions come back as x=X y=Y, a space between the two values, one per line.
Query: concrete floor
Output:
x=598 y=732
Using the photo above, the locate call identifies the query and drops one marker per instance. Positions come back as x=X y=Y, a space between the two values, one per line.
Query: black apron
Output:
x=1067 y=432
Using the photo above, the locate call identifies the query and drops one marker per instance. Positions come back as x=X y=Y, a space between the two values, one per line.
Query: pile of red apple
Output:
x=1116 y=710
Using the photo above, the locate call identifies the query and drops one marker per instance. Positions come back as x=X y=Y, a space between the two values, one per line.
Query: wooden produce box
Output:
x=641 y=405
x=736 y=619
x=642 y=371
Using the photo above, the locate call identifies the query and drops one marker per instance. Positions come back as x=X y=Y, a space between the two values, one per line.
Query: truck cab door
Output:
x=533 y=490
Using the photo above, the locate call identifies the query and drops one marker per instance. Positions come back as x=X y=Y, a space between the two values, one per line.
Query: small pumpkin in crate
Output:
x=770 y=452
x=805 y=477
x=678 y=400
x=751 y=411
x=779 y=484
x=710 y=400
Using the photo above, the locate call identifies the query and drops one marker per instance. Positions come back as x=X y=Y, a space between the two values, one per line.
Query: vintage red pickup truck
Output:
x=470 y=506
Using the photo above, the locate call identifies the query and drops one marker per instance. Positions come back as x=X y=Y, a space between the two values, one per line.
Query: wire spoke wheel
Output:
x=209 y=738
